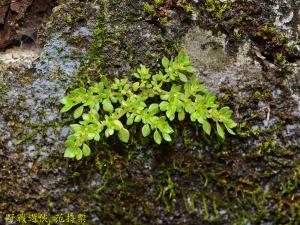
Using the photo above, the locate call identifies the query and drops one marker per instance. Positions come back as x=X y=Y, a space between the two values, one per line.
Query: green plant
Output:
x=280 y=59
x=167 y=191
x=154 y=100
x=159 y=2
x=217 y=6
x=150 y=9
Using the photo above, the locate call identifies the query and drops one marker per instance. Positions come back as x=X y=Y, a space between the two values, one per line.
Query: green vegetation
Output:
x=151 y=99
x=160 y=7
x=167 y=191
x=280 y=59
x=150 y=9
x=217 y=7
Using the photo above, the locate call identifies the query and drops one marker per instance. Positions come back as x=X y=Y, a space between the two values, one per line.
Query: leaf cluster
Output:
x=153 y=100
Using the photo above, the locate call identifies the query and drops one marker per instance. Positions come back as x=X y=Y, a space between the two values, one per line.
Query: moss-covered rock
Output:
x=251 y=178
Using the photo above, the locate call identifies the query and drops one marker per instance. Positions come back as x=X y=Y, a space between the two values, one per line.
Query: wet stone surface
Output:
x=251 y=178
x=32 y=128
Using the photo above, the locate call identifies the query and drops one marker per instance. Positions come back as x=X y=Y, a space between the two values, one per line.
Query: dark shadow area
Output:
x=21 y=21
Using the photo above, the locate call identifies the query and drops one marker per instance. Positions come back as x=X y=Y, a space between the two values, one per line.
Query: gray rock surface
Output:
x=251 y=178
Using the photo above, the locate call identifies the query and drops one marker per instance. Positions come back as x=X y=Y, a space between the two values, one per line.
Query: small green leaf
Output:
x=114 y=99
x=137 y=119
x=165 y=62
x=136 y=75
x=109 y=132
x=230 y=123
x=65 y=100
x=181 y=115
x=95 y=106
x=182 y=77
x=135 y=86
x=118 y=124
x=97 y=88
x=229 y=129
x=69 y=153
x=78 y=153
x=153 y=108
x=194 y=116
x=124 y=135
x=220 y=131
x=206 y=127
x=130 y=120
x=76 y=127
x=157 y=137
x=66 y=108
x=183 y=58
x=167 y=129
x=167 y=137
x=107 y=106
x=85 y=116
x=158 y=77
x=78 y=112
x=189 y=69
x=225 y=111
x=171 y=115
x=144 y=72
x=91 y=136
x=163 y=106
x=164 y=97
x=146 y=130
x=70 y=143
x=86 y=150
x=97 y=137
x=189 y=107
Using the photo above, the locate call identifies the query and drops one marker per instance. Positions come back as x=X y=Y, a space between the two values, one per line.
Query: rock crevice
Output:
x=20 y=19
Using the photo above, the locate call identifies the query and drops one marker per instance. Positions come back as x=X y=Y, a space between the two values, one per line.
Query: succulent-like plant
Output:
x=154 y=100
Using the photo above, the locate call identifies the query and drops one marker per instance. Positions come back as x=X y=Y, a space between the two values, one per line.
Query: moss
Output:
x=3 y=89
x=92 y=70
x=217 y=8
x=256 y=96
x=167 y=192
x=244 y=131
x=69 y=19
x=79 y=11
x=238 y=20
x=150 y=9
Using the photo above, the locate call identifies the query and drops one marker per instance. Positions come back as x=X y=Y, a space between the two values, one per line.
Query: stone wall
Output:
x=19 y=19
